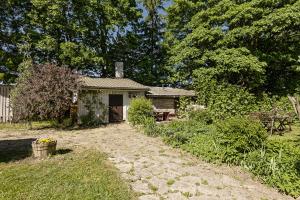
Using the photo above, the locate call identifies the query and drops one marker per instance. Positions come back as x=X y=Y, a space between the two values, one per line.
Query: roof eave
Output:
x=170 y=96
x=115 y=88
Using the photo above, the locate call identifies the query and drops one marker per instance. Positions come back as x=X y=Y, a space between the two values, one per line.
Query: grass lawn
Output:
x=84 y=175
x=25 y=126
x=289 y=136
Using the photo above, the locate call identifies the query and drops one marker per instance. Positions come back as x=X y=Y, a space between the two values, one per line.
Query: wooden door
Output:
x=115 y=108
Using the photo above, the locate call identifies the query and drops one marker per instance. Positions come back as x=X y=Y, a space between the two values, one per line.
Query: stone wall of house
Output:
x=102 y=97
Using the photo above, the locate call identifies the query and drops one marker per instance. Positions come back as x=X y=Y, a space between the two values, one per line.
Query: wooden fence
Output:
x=5 y=108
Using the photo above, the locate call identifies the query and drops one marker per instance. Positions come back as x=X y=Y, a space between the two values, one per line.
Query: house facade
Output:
x=108 y=99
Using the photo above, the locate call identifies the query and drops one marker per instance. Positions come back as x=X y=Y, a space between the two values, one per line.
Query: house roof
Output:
x=169 y=92
x=112 y=83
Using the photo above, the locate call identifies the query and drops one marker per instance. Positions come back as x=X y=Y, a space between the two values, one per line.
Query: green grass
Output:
x=289 y=136
x=25 y=126
x=170 y=182
x=85 y=175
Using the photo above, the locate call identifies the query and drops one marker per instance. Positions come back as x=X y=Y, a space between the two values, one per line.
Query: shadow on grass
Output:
x=63 y=151
x=19 y=149
x=14 y=150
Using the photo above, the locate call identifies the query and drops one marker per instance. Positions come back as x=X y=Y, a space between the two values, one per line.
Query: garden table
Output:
x=273 y=122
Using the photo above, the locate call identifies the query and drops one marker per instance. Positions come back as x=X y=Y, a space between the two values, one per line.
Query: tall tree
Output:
x=142 y=50
x=252 y=44
x=79 y=33
x=75 y=33
x=13 y=26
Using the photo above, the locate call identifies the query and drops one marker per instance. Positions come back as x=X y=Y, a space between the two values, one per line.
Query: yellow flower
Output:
x=45 y=140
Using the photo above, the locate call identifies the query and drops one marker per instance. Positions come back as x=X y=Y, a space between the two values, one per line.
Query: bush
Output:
x=90 y=120
x=184 y=104
x=228 y=140
x=150 y=127
x=44 y=92
x=278 y=165
x=139 y=110
x=240 y=135
x=65 y=123
x=178 y=133
x=205 y=146
x=203 y=116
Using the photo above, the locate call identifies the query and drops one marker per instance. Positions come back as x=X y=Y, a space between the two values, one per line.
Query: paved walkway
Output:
x=157 y=171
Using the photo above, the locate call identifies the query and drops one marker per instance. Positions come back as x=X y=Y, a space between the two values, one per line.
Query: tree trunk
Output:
x=296 y=105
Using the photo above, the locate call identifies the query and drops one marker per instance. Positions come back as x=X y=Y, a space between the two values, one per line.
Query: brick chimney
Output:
x=119 y=69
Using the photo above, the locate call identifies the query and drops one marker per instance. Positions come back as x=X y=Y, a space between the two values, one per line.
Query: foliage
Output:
x=96 y=109
x=228 y=140
x=86 y=175
x=278 y=165
x=88 y=36
x=180 y=132
x=184 y=104
x=267 y=103
x=240 y=141
x=251 y=44
x=228 y=100
x=150 y=127
x=12 y=21
x=67 y=122
x=203 y=116
x=44 y=92
x=139 y=110
x=239 y=135
x=77 y=34
x=205 y=147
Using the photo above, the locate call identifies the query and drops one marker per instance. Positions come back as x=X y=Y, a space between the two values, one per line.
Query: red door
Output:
x=115 y=108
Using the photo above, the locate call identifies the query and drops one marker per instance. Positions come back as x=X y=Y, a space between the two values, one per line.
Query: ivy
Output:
x=97 y=111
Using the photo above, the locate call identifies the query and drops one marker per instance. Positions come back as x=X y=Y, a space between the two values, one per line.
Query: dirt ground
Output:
x=153 y=169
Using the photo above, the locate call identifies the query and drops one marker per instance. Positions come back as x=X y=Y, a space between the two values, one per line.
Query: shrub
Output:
x=278 y=165
x=150 y=127
x=44 y=92
x=239 y=135
x=140 y=108
x=178 y=133
x=90 y=120
x=205 y=146
x=65 y=123
x=183 y=110
x=203 y=116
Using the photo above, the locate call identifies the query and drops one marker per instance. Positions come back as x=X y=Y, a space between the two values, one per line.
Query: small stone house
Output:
x=108 y=99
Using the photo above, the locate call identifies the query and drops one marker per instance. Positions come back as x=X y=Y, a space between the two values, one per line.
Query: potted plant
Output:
x=43 y=147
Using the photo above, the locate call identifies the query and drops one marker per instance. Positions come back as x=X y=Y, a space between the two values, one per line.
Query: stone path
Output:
x=156 y=171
